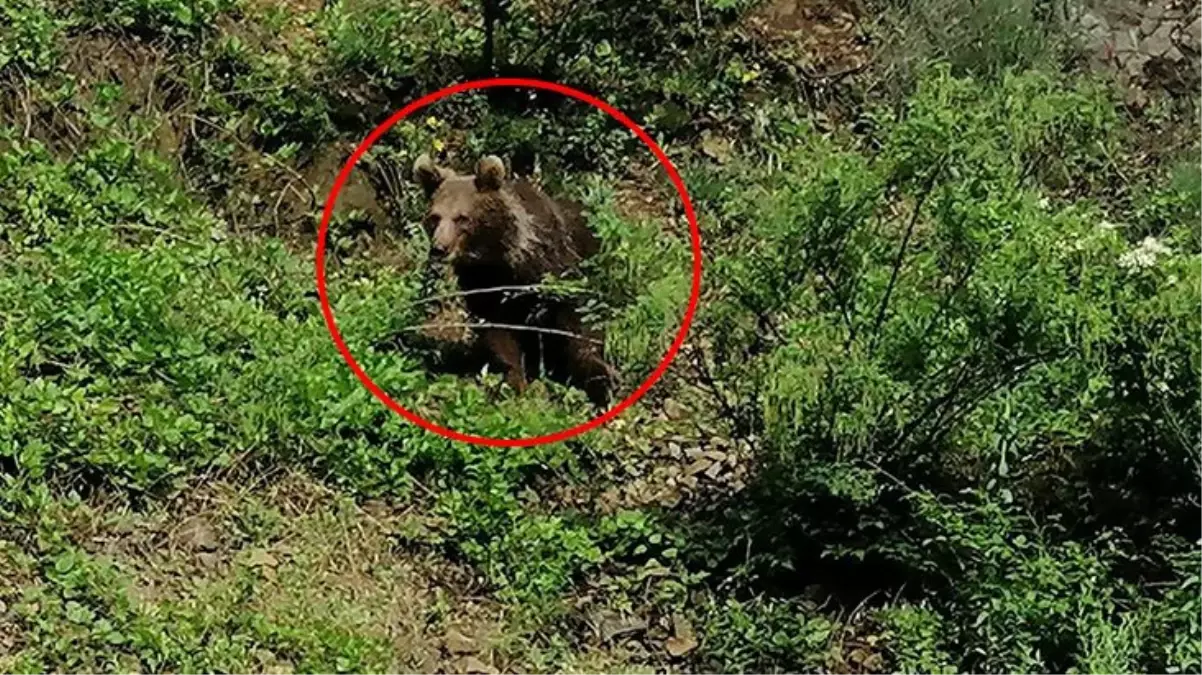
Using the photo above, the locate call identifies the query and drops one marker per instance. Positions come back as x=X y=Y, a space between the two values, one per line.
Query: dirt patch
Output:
x=16 y=573
x=313 y=554
x=111 y=79
x=357 y=194
x=124 y=77
x=296 y=554
x=821 y=37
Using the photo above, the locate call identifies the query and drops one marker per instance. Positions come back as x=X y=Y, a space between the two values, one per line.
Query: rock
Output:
x=458 y=643
x=471 y=664
x=1174 y=55
x=683 y=639
x=698 y=466
x=1193 y=35
x=1125 y=41
x=1134 y=64
x=261 y=558
x=1148 y=25
x=1160 y=41
x=198 y=534
x=610 y=625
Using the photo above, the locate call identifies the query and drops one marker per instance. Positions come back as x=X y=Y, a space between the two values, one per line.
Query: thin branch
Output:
x=529 y=288
x=137 y=227
x=928 y=186
x=505 y=326
x=710 y=383
x=952 y=415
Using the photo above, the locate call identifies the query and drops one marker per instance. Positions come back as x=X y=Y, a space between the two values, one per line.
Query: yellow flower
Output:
x=432 y=122
x=439 y=145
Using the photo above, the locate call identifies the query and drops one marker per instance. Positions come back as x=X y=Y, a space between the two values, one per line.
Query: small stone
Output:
x=1090 y=21
x=1159 y=42
x=1134 y=64
x=717 y=148
x=683 y=639
x=1174 y=55
x=1148 y=25
x=698 y=466
x=1193 y=34
x=197 y=533
x=1135 y=97
x=458 y=643
x=261 y=558
x=713 y=470
x=610 y=625
x=674 y=410
x=1125 y=42
x=473 y=665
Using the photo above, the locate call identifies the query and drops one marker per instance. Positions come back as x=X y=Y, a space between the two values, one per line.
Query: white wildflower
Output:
x=1144 y=255
x=1108 y=226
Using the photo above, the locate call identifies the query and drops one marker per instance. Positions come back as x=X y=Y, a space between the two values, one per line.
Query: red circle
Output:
x=379 y=131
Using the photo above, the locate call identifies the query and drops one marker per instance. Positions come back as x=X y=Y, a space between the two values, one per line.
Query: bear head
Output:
x=468 y=216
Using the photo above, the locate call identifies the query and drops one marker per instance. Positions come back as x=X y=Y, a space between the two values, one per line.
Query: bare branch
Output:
x=505 y=326
x=901 y=253
x=529 y=288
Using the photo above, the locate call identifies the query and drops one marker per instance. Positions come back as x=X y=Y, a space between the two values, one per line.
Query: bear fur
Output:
x=496 y=232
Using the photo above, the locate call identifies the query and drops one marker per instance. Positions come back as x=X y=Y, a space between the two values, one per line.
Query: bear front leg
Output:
x=507 y=352
x=587 y=367
x=594 y=375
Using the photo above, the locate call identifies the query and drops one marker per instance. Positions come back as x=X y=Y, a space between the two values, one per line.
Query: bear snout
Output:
x=445 y=242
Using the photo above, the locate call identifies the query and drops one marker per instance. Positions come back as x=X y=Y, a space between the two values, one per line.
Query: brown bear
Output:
x=496 y=232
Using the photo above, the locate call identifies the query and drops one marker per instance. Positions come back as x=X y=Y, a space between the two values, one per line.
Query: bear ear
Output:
x=490 y=173
x=428 y=175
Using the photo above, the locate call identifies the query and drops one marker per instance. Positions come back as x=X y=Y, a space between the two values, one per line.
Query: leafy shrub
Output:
x=892 y=358
x=407 y=46
x=765 y=636
x=29 y=36
x=277 y=93
x=156 y=18
x=983 y=39
x=129 y=366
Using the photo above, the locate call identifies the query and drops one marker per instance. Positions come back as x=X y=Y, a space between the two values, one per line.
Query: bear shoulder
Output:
x=565 y=215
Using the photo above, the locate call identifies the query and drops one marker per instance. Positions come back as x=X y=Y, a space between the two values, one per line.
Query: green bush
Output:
x=977 y=337
x=30 y=34
x=177 y=19
x=155 y=347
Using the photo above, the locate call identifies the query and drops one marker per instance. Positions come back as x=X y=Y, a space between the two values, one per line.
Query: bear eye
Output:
x=462 y=220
